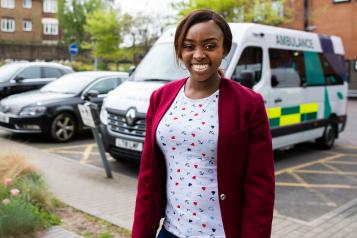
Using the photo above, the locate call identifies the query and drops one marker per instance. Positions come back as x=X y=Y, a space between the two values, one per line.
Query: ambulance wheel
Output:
x=327 y=141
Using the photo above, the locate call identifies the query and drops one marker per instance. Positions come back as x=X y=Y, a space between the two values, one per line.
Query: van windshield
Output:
x=160 y=64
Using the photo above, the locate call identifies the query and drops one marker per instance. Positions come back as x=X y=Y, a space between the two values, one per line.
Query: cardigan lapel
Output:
x=225 y=115
x=166 y=103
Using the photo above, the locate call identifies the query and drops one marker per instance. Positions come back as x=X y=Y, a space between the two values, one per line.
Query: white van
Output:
x=300 y=75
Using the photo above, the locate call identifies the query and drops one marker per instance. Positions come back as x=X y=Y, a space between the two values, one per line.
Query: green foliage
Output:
x=31 y=209
x=104 y=28
x=260 y=11
x=18 y=217
x=105 y=235
x=72 y=17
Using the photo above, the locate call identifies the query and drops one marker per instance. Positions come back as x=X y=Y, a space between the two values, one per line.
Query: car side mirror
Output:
x=131 y=70
x=274 y=81
x=246 y=78
x=19 y=79
x=91 y=94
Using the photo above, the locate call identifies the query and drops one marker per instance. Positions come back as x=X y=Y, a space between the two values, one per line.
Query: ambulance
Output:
x=301 y=76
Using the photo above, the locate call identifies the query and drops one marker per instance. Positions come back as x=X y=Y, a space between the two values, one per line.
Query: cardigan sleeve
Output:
x=259 y=183
x=141 y=228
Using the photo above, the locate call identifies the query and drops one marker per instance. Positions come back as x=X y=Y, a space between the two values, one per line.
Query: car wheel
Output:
x=63 y=127
x=328 y=139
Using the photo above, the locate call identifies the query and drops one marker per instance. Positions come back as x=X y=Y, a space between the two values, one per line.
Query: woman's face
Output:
x=202 y=50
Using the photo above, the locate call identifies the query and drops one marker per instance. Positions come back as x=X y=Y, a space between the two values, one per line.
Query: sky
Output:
x=160 y=7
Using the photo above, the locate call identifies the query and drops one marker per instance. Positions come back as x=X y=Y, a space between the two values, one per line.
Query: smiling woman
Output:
x=207 y=163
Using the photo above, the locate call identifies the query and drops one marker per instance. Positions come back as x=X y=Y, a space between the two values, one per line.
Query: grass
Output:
x=32 y=207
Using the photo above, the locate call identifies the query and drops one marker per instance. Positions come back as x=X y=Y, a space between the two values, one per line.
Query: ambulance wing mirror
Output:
x=246 y=78
x=274 y=81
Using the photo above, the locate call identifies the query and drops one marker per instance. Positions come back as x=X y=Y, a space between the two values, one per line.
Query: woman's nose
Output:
x=199 y=54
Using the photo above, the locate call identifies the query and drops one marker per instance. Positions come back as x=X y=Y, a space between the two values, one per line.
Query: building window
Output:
x=278 y=8
x=7 y=25
x=8 y=3
x=27 y=25
x=50 y=26
x=50 y=29
x=50 y=6
x=27 y=3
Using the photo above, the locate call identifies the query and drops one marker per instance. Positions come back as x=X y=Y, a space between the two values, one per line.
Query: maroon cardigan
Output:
x=245 y=166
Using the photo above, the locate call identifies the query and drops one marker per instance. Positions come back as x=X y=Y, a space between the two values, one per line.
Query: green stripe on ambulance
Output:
x=283 y=116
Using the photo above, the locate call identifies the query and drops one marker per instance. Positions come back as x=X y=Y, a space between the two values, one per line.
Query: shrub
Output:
x=25 y=202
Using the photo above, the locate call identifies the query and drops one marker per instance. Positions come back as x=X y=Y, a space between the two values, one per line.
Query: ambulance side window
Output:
x=250 y=63
x=333 y=67
x=287 y=68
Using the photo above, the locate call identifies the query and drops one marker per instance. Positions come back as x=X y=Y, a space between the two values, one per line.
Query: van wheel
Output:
x=63 y=127
x=327 y=141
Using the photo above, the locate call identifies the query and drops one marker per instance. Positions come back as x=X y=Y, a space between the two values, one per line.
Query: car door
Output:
x=102 y=87
x=49 y=74
x=27 y=79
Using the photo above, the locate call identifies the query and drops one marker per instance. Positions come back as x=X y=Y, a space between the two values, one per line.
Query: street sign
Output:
x=73 y=49
x=86 y=115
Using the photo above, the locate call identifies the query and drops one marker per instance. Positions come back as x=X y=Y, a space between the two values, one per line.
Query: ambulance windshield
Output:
x=160 y=64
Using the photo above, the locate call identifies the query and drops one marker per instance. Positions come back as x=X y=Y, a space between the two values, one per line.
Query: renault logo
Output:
x=130 y=116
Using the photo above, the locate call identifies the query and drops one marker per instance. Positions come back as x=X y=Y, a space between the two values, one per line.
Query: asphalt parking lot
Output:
x=310 y=183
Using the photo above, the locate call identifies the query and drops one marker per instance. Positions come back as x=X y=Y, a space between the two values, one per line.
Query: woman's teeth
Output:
x=200 y=67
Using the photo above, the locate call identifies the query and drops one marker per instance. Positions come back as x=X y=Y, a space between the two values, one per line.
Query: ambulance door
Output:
x=316 y=99
x=285 y=96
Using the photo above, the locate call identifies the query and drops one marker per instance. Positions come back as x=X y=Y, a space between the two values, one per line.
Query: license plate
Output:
x=127 y=144
x=4 y=118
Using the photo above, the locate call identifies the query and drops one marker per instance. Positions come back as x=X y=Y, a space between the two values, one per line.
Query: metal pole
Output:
x=306 y=15
x=101 y=149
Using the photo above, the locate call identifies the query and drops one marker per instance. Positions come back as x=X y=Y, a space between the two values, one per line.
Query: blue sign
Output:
x=73 y=49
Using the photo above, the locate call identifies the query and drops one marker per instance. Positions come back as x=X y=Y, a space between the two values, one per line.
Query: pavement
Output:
x=85 y=187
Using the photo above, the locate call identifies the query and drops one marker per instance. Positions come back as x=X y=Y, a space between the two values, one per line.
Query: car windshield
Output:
x=160 y=64
x=69 y=84
x=7 y=71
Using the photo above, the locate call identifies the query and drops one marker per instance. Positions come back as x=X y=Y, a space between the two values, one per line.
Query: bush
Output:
x=26 y=204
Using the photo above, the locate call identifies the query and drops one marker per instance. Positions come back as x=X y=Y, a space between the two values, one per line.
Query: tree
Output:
x=72 y=17
x=104 y=29
x=140 y=31
x=271 y=12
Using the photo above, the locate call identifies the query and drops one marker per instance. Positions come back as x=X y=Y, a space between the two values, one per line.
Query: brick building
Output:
x=331 y=17
x=29 y=30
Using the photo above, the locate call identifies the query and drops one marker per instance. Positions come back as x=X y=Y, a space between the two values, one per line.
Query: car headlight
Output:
x=103 y=115
x=33 y=111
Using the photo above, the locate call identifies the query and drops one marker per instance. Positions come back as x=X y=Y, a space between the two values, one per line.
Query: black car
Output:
x=53 y=109
x=19 y=77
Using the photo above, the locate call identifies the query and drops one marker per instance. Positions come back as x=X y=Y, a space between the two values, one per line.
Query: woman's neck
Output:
x=196 y=89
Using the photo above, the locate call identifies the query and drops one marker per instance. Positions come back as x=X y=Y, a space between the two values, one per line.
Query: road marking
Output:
x=322 y=196
x=86 y=154
x=69 y=147
x=73 y=152
x=290 y=169
x=342 y=162
x=310 y=171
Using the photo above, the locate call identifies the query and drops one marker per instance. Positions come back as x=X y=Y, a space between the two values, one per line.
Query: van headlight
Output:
x=103 y=115
x=33 y=111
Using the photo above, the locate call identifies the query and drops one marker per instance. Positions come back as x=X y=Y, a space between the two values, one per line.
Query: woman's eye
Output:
x=188 y=46
x=210 y=46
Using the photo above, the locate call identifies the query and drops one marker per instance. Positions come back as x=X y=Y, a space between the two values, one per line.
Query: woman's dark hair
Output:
x=199 y=16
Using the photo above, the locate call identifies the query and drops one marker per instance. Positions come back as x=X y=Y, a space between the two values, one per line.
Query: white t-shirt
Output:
x=187 y=136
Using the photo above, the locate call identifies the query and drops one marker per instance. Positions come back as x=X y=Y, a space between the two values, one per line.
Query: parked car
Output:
x=53 y=110
x=19 y=77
